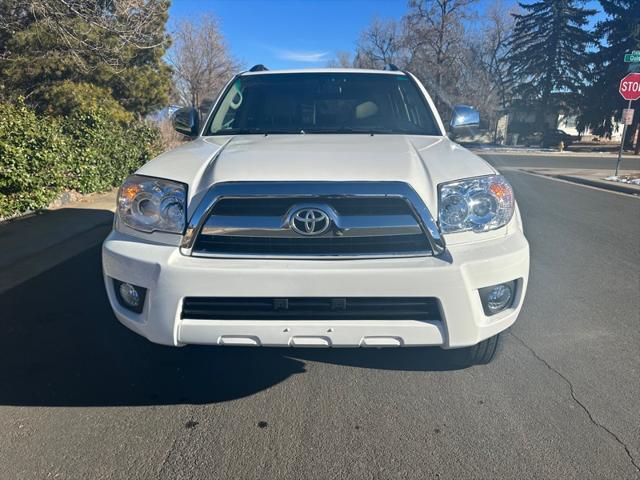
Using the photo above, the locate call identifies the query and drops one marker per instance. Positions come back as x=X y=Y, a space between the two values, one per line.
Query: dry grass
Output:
x=170 y=138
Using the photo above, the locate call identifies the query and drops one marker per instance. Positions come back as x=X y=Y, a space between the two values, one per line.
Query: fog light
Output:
x=497 y=297
x=130 y=296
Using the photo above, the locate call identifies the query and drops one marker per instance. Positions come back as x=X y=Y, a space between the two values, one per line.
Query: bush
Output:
x=67 y=97
x=33 y=155
x=88 y=151
x=105 y=152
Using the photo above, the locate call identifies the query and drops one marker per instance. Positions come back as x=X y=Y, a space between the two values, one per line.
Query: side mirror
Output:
x=186 y=121
x=464 y=117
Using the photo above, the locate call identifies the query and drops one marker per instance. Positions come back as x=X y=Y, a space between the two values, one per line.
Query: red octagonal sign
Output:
x=630 y=86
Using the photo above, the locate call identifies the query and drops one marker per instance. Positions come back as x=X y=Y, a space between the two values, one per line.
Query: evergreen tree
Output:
x=548 y=54
x=52 y=49
x=618 y=33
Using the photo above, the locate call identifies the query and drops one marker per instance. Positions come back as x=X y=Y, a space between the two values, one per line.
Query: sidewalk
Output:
x=35 y=243
x=591 y=177
x=521 y=150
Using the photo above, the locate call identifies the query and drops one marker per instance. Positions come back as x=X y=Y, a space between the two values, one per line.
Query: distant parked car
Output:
x=549 y=138
x=552 y=138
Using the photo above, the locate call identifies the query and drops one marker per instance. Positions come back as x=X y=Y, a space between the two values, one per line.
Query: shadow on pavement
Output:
x=62 y=346
x=22 y=237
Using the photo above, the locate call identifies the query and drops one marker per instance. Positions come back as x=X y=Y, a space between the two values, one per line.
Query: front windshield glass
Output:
x=323 y=103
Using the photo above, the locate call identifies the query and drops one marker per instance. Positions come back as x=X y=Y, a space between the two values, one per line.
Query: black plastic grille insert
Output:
x=311 y=308
x=382 y=245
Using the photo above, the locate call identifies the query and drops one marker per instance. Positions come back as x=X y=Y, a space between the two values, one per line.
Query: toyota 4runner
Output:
x=319 y=208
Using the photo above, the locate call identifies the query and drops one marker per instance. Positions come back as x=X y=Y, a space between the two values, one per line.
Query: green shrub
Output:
x=33 y=156
x=104 y=152
x=67 y=97
x=42 y=155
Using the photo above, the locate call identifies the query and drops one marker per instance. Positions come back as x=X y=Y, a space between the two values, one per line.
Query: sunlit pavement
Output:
x=82 y=397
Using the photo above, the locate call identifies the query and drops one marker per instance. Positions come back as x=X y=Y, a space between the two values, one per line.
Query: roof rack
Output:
x=258 y=68
x=391 y=67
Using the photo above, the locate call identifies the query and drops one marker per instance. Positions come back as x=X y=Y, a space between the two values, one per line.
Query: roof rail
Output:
x=391 y=67
x=258 y=68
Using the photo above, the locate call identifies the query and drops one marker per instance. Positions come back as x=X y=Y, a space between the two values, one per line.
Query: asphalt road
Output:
x=569 y=160
x=82 y=397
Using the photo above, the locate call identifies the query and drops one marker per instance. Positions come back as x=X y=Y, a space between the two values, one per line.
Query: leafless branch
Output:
x=201 y=60
x=82 y=25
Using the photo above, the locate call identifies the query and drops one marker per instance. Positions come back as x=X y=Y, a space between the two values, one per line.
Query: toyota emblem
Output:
x=309 y=221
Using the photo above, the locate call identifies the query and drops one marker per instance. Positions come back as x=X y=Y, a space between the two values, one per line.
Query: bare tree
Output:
x=484 y=77
x=494 y=48
x=435 y=38
x=457 y=64
x=342 y=60
x=383 y=42
x=200 y=60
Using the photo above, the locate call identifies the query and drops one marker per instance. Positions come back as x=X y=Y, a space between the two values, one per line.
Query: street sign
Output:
x=633 y=57
x=627 y=116
x=630 y=87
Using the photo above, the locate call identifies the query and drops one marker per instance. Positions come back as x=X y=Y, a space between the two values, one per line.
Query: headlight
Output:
x=152 y=204
x=478 y=204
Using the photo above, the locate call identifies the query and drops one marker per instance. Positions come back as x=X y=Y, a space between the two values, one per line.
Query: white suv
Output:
x=319 y=208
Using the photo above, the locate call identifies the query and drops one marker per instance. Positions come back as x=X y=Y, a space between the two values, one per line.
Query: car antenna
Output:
x=258 y=68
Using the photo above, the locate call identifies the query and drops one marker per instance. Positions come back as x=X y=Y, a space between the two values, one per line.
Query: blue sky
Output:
x=293 y=33
x=290 y=33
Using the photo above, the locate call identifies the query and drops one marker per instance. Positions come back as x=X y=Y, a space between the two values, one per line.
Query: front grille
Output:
x=365 y=226
x=311 y=308
x=320 y=246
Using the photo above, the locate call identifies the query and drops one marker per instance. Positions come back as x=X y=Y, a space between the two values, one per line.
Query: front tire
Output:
x=479 y=354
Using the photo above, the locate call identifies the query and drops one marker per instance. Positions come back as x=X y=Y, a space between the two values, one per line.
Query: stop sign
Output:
x=630 y=86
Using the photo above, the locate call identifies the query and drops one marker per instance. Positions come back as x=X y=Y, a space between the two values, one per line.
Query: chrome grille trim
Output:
x=346 y=226
x=313 y=192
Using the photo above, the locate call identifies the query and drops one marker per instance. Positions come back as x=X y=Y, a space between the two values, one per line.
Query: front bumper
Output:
x=454 y=279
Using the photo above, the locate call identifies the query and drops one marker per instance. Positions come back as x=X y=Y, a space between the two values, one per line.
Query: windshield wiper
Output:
x=366 y=130
x=363 y=131
x=253 y=131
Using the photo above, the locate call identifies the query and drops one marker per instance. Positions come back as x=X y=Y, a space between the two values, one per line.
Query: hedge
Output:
x=42 y=155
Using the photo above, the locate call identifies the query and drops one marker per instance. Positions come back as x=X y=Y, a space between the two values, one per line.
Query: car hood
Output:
x=422 y=161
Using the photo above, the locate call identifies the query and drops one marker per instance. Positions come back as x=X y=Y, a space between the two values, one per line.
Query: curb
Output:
x=552 y=153
x=605 y=185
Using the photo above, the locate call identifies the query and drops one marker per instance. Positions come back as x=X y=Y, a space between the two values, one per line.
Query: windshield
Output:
x=323 y=103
